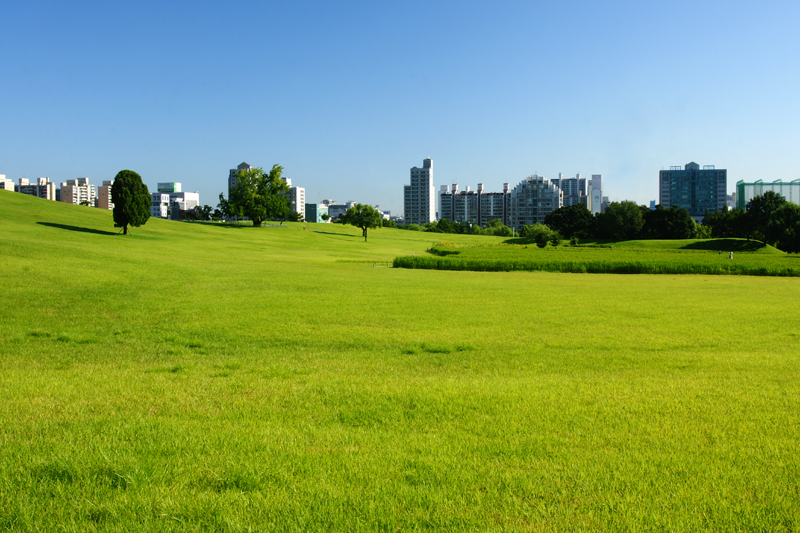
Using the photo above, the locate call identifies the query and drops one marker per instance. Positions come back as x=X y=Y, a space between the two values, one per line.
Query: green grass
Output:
x=198 y=377
x=633 y=257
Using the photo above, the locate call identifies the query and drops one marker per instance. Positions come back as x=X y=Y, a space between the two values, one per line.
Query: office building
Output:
x=337 y=210
x=533 y=199
x=314 y=213
x=418 y=197
x=43 y=188
x=747 y=191
x=168 y=187
x=78 y=192
x=694 y=189
x=104 y=195
x=6 y=184
x=159 y=205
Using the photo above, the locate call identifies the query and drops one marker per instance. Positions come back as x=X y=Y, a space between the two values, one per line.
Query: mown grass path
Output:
x=192 y=377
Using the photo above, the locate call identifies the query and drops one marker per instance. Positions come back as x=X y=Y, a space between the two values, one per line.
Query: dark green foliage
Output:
x=621 y=221
x=497 y=228
x=537 y=233
x=294 y=216
x=759 y=210
x=672 y=223
x=783 y=228
x=131 y=200
x=574 y=220
x=389 y=223
x=725 y=223
x=259 y=195
x=362 y=216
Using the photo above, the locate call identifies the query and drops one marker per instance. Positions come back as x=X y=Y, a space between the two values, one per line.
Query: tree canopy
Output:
x=621 y=221
x=362 y=216
x=759 y=210
x=783 y=228
x=131 y=200
x=259 y=195
x=571 y=221
x=672 y=223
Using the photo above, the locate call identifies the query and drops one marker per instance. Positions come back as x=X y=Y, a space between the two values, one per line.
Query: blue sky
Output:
x=348 y=96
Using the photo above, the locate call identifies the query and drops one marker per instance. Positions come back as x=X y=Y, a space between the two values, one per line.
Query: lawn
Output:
x=201 y=377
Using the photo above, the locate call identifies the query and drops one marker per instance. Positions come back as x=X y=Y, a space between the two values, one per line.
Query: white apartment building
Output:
x=43 y=188
x=419 y=196
x=6 y=184
x=78 y=192
x=297 y=198
x=533 y=199
x=596 y=200
x=159 y=204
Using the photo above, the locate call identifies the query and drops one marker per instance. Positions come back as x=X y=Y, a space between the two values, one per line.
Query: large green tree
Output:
x=259 y=195
x=131 y=200
x=621 y=221
x=759 y=210
x=672 y=223
x=362 y=216
x=571 y=221
x=783 y=228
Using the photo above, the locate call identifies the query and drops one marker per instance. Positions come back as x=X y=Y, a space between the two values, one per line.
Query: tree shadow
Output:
x=337 y=234
x=78 y=228
x=726 y=245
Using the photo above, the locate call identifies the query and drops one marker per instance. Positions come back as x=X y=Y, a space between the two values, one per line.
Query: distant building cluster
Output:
x=169 y=201
x=694 y=189
x=527 y=203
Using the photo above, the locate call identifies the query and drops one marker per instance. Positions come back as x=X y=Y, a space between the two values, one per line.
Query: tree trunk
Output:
x=256 y=223
x=125 y=229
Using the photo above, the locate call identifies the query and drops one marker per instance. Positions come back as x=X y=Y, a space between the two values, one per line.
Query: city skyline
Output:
x=491 y=92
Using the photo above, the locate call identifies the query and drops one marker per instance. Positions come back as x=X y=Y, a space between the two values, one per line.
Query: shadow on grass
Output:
x=78 y=228
x=725 y=245
x=337 y=234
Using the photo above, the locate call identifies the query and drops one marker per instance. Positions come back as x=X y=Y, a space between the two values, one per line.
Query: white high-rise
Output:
x=419 y=196
x=597 y=193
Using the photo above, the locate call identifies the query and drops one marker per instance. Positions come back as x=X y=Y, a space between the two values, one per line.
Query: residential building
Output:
x=104 y=195
x=596 y=197
x=159 y=204
x=533 y=199
x=696 y=190
x=6 y=184
x=747 y=191
x=78 y=192
x=232 y=176
x=574 y=189
x=43 y=188
x=418 y=197
x=473 y=207
x=297 y=198
x=314 y=213
x=186 y=200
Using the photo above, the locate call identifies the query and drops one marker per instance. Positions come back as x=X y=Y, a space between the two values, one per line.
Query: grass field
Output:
x=198 y=377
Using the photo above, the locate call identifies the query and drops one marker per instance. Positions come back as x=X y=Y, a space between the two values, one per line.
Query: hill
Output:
x=197 y=376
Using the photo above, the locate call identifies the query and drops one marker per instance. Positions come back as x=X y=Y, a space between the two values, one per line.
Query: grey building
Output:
x=475 y=207
x=233 y=174
x=696 y=190
x=533 y=199
x=418 y=197
x=575 y=190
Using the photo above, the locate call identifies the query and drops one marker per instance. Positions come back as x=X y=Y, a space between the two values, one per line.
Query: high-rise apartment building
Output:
x=596 y=198
x=104 y=195
x=43 y=188
x=418 y=197
x=696 y=190
x=233 y=174
x=533 y=199
x=78 y=191
x=473 y=207
x=297 y=198
x=574 y=189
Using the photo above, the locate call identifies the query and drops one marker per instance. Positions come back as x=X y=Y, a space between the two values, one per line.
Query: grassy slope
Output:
x=193 y=376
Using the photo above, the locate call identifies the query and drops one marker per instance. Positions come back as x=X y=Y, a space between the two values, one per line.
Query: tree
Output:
x=259 y=195
x=497 y=228
x=362 y=216
x=573 y=220
x=294 y=216
x=783 y=228
x=389 y=223
x=325 y=216
x=131 y=200
x=538 y=233
x=621 y=221
x=726 y=223
x=672 y=223
x=759 y=210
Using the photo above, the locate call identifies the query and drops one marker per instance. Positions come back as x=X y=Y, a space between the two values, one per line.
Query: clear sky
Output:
x=347 y=96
